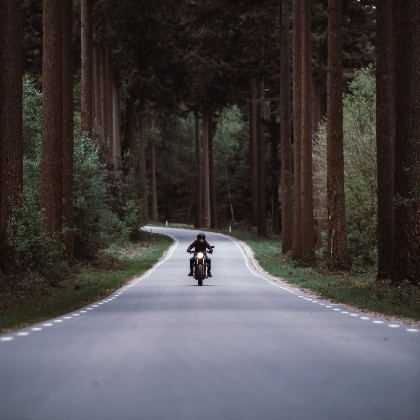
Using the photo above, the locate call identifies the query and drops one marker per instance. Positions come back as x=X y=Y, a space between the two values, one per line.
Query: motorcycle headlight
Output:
x=200 y=255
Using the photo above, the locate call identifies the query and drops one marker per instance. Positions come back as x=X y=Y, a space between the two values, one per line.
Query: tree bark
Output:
x=213 y=208
x=253 y=149
x=155 y=213
x=275 y=173
x=109 y=103
x=406 y=17
x=104 y=93
x=116 y=125
x=68 y=126
x=261 y=180
x=127 y=144
x=86 y=94
x=144 y=195
x=206 y=172
x=337 y=235
x=11 y=122
x=198 y=174
x=52 y=118
x=385 y=131
x=285 y=127
x=97 y=115
x=297 y=110
x=307 y=206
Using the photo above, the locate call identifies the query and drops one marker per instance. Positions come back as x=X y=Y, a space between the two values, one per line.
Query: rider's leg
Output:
x=209 y=265
x=191 y=266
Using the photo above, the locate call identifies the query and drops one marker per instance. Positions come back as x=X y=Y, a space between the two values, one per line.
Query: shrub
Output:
x=33 y=251
x=25 y=247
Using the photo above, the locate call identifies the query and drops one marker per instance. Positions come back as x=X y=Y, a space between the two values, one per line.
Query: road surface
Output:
x=240 y=347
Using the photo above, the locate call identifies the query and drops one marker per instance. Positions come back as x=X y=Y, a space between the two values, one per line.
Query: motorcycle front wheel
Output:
x=200 y=274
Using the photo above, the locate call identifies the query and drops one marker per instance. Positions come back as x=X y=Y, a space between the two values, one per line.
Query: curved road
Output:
x=240 y=347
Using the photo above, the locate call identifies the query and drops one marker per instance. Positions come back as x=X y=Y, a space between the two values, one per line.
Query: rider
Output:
x=200 y=244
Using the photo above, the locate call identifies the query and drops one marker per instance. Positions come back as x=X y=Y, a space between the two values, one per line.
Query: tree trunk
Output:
x=213 y=208
x=261 y=180
x=142 y=169
x=385 y=130
x=297 y=109
x=103 y=100
x=109 y=103
x=206 y=172
x=52 y=117
x=155 y=213
x=337 y=237
x=285 y=127
x=68 y=126
x=86 y=94
x=253 y=149
x=320 y=221
x=116 y=125
x=407 y=143
x=198 y=174
x=307 y=206
x=11 y=122
x=97 y=114
x=275 y=175
x=127 y=144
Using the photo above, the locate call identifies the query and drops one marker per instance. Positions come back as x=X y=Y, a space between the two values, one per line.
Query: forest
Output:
x=294 y=118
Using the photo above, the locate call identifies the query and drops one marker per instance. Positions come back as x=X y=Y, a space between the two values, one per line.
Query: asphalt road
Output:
x=240 y=347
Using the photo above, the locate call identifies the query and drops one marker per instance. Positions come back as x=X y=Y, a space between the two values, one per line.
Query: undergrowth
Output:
x=358 y=287
x=29 y=298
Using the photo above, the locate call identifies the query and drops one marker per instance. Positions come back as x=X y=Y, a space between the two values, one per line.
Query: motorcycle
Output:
x=200 y=267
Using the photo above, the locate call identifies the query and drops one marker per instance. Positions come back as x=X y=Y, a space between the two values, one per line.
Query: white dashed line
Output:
x=7 y=338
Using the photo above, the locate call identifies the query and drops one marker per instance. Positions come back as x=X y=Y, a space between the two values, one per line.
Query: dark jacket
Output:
x=199 y=246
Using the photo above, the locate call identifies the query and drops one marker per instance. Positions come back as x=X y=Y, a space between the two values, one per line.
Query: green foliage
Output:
x=359 y=166
x=105 y=209
x=28 y=299
x=360 y=163
x=33 y=251
x=231 y=165
x=32 y=110
x=360 y=289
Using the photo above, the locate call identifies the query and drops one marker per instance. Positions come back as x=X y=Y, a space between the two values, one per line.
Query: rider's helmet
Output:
x=201 y=236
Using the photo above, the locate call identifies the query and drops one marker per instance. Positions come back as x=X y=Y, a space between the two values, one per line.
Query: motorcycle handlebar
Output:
x=209 y=252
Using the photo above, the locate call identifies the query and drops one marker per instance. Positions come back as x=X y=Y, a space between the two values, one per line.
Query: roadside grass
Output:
x=22 y=305
x=358 y=288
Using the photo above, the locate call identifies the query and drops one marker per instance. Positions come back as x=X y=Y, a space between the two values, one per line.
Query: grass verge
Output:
x=22 y=305
x=358 y=288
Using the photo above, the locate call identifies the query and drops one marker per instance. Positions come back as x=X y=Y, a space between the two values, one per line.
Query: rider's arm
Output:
x=191 y=247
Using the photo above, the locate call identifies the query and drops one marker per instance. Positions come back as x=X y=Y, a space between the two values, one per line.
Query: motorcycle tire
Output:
x=200 y=274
